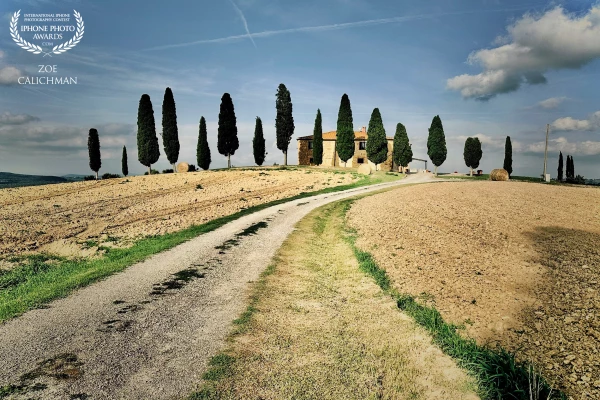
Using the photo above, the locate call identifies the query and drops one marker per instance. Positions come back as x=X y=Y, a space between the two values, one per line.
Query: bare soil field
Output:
x=518 y=264
x=73 y=219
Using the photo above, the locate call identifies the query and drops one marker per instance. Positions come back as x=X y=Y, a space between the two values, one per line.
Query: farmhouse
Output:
x=331 y=158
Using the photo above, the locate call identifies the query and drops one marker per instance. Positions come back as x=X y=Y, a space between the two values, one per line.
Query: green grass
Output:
x=242 y=322
x=219 y=367
x=499 y=375
x=39 y=281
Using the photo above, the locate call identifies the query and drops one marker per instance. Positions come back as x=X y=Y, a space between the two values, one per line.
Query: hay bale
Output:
x=499 y=175
x=364 y=169
x=183 y=167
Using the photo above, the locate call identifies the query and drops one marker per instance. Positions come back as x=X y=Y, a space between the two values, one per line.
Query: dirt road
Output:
x=149 y=331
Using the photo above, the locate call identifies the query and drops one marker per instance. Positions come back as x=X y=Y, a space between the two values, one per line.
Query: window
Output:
x=310 y=144
x=310 y=161
x=360 y=161
x=362 y=145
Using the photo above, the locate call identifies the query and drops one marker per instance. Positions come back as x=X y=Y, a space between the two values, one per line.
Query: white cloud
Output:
x=1 y=54
x=16 y=119
x=534 y=45
x=552 y=102
x=492 y=142
x=9 y=76
x=571 y=124
x=586 y=148
x=60 y=139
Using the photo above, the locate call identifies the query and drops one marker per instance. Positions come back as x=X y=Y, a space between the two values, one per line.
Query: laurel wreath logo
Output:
x=34 y=48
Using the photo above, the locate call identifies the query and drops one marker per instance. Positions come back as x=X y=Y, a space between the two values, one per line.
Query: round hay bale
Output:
x=499 y=175
x=364 y=169
x=183 y=167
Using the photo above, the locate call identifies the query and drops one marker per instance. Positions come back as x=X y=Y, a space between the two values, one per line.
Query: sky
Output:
x=488 y=68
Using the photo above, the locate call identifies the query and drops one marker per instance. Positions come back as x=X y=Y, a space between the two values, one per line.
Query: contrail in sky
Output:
x=244 y=21
x=322 y=28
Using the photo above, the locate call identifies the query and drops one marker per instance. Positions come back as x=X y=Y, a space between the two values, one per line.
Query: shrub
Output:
x=192 y=168
x=89 y=178
x=579 y=180
x=167 y=171
x=110 y=176
x=152 y=172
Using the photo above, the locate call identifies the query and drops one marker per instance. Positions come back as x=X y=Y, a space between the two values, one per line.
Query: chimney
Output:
x=364 y=129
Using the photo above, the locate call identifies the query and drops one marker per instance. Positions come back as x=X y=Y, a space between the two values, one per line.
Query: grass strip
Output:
x=500 y=376
x=38 y=281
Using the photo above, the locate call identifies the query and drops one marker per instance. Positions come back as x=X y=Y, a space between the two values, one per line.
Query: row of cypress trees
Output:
x=377 y=149
x=228 y=143
x=227 y=139
x=402 y=151
x=570 y=169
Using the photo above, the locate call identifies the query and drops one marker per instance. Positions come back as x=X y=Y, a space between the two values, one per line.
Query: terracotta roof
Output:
x=331 y=135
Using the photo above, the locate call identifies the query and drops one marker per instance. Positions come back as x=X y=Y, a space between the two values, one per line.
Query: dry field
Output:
x=73 y=219
x=517 y=264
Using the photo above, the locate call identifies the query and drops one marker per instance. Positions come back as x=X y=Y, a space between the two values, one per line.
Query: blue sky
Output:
x=489 y=68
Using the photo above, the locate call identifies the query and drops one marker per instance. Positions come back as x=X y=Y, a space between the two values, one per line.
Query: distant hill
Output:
x=8 y=180
x=593 y=182
x=73 y=177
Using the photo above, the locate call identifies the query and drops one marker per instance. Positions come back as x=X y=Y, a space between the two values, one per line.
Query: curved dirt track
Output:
x=149 y=331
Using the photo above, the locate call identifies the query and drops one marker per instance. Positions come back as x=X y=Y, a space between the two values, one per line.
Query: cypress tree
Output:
x=344 y=144
x=570 y=169
x=284 y=122
x=202 y=149
x=508 y=156
x=478 y=153
x=468 y=154
x=402 y=153
x=227 y=140
x=258 y=143
x=318 y=140
x=436 y=143
x=124 y=167
x=169 y=125
x=147 y=142
x=377 y=150
x=560 y=167
x=94 y=151
x=472 y=153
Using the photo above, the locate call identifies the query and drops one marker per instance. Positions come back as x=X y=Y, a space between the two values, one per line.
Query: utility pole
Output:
x=546 y=152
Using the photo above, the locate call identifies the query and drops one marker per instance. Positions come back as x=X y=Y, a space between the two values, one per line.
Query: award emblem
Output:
x=48 y=33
